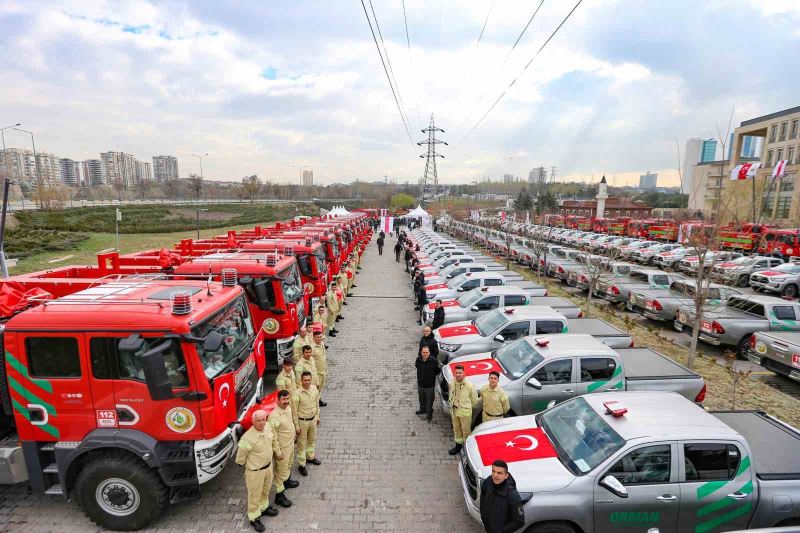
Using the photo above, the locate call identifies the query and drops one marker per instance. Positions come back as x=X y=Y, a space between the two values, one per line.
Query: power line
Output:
x=388 y=61
x=396 y=101
x=411 y=60
x=519 y=38
x=522 y=71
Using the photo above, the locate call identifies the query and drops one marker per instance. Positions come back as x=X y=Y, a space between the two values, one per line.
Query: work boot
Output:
x=345 y=303
x=303 y=470
x=270 y=512
x=419 y=412
x=291 y=484
x=257 y=525
x=354 y=286
x=314 y=461
x=455 y=449
x=282 y=500
x=323 y=404
x=338 y=318
x=332 y=333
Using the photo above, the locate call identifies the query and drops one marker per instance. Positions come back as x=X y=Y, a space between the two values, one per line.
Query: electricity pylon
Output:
x=430 y=180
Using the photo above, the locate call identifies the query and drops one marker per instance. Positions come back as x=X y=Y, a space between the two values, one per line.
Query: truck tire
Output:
x=743 y=281
x=742 y=348
x=551 y=527
x=789 y=291
x=119 y=492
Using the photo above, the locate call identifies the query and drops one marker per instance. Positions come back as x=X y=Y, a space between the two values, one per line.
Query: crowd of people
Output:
x=268 y=449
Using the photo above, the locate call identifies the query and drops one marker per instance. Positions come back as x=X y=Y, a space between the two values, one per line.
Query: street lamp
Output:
x=202 y=188
x=39 y=181
x=6 y=182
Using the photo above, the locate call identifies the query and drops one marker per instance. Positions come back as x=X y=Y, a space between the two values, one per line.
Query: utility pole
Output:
x=430 y=180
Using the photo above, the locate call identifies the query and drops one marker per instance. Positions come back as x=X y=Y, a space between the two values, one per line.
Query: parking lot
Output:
x=384 y=468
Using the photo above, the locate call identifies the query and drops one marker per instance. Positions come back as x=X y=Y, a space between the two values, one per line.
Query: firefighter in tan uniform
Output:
x=333 y=310
x=320 y=361
x=495 y=399
x=303 y=338
x=255 y=451
x=463 y=398
x=282 y=423
x=305 y=410
x=286 y=380
x=306 y=363
x=320 y=315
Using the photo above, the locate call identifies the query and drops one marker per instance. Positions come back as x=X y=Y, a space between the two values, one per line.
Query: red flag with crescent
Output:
x=515 y=445
x=481 y=366
x=225 y=398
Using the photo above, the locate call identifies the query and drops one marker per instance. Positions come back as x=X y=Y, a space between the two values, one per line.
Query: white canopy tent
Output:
x=417 y=212
x=338 y=211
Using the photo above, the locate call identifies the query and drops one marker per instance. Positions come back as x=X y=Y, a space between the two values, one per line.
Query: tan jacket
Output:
x=282 y=423
x=304 y=365
x=463 y=397
x=305 y=404
x=495 y=402
x=299 y=342
x=320 y=357
x=286 y=381
x=255 y=449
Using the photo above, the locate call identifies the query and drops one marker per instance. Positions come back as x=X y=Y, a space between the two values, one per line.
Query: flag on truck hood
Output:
x=445 y=303
x=480 y=366
x=514 y=445
x=456 y=331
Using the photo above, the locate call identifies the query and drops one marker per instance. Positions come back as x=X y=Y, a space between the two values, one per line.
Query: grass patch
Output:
x=23 y=242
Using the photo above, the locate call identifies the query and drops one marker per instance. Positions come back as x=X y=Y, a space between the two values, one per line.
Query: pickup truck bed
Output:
x=535 y=288
x=593 y=326
x=510 y=275
x=775 y=445
x=644 y=363
x=567 y=308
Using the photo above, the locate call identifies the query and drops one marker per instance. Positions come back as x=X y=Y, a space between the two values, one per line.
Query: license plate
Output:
x=682 y=317
x=796 y=360
x=705 y=325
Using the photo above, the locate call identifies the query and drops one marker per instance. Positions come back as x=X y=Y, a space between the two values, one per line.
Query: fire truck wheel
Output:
x=551 y=527
x=119 y=492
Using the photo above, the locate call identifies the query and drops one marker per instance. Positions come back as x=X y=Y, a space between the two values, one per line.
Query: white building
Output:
x=119 y=169
x=22 y=166
x=70 y=172
x=143 y=172
x=92 y=173
x=691 y=156
x=308 y=178
x=165 y=168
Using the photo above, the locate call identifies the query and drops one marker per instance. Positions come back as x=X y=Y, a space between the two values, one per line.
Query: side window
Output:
x=710 y=461
x=555 y=373
x=492 y=282
x=490 y=302
x=597 y=369
x=53 y=357
x=650 y=464
x=516 y=299
x=547 y=327
x=471 y=284
x=515 y=330
x=784 y=312
x=109 y=363
x=761 y=264
x=775 y=262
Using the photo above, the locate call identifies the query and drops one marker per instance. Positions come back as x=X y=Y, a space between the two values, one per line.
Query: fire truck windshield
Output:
x=291 y=285
x=234 y=324
x=322 y=265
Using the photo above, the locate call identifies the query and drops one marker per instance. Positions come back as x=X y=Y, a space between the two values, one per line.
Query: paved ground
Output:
x=384 y=469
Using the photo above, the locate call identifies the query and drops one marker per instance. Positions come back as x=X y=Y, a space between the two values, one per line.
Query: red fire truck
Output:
x=742 y=237
x=551 y=219
x=584 y=223
x=618 y=226
x=126 y=395
x=780 y=242
x=663 y=230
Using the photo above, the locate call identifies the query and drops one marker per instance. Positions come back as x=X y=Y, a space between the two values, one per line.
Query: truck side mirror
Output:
x=460 y=289
x=475 y=308
x=535 y=383
x=131 y=343
x=155 y=372
x=213 y=341
x=614 y=486
x=499 y=338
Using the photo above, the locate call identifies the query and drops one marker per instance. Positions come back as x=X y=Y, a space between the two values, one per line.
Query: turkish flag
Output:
x=780 y=168
x=454 y=331
x=514 y=445
x=481 y=366
x=224 y=400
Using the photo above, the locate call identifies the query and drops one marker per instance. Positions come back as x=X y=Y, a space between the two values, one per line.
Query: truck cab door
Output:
x=511 y=332
x=556 y=383
x=648 y=476
x=485 y=304
x=717 y=488
x=599 y=374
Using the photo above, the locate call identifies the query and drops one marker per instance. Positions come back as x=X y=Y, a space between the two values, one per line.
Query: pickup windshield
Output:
x=787 y=268
x=517 y=358
x=456 y=281
x=490 y=322
x=468 y=299
x=581 y=437
x=233 y=323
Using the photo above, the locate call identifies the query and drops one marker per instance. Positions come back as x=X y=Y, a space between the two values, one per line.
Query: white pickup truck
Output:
x=636 y=461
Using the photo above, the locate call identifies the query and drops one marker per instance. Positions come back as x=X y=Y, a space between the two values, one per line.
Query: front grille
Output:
x=760 y=279
x=472 y=482
x=246 y=388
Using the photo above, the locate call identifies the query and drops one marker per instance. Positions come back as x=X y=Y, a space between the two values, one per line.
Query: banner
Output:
x=744 y=171
x=780 y=168
x=503 y=216
x=387 y=224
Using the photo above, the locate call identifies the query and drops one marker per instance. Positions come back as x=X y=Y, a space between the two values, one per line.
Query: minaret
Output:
x=602 y=196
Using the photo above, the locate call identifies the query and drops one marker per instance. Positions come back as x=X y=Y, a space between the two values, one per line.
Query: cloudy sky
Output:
x=267 y=86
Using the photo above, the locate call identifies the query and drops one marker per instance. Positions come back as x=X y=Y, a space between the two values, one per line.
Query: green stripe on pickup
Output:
x=747 y=488
x=723 y=519
x=599 y=384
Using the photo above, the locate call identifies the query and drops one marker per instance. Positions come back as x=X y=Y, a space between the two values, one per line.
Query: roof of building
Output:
x=790 y=111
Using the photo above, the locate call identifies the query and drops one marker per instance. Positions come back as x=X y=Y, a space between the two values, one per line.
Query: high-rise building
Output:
x=92 y=172
x=691 y=156
x=308 y=178
x=143 y=172
x=648 y=180
x=709 y=151
x=70 y=172
x=119 y=169
x=537 y=176
x=165 y=168
x=508 y=178
x=23 y=166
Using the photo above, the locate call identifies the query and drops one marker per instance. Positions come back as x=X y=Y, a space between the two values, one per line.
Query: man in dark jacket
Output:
x=422 y=300
x=427 y=370
x=408 y=257
x=398 y=247
x=501 y=506
x=438 y=315
x=430 y=341
x=380 y=244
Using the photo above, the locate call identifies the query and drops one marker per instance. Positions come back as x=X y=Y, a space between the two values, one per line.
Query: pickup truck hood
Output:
x=476 y=369
x=445 y=303
x=435 y=286
x=531 y=458
x=457 y=333
x=774 y=273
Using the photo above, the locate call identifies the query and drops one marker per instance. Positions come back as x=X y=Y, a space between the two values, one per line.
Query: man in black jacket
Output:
x=438 y=315
x=501 y=506
x=398 y=247
x=427 y=370
x=422 y=299
x=430 y=341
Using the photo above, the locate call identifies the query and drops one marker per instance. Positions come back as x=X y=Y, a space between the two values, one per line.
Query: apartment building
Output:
x=165 y=168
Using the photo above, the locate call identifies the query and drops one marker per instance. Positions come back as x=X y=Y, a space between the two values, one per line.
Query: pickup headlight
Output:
x=449 y=347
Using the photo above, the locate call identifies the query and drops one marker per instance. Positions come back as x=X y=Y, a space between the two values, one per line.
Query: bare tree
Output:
x=736 y=375
x=195 y=185
x=251 y=186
